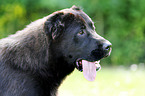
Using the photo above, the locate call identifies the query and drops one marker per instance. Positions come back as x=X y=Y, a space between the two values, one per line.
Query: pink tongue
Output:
x=89 y=70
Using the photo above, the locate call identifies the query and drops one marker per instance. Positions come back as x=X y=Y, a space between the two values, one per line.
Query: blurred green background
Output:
x=122 y=22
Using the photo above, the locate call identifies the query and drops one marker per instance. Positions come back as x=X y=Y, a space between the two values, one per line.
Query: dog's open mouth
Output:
x=88 y=68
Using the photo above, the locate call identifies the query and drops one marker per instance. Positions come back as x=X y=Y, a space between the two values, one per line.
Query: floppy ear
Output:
x=53 y=26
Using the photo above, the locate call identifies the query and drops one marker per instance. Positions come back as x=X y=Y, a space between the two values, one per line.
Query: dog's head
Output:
x=73 y=34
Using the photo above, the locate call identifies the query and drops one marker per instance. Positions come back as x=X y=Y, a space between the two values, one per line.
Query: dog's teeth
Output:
x=98 y=67
x=97 y=62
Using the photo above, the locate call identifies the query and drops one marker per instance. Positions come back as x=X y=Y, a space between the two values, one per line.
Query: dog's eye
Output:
x=81 y=32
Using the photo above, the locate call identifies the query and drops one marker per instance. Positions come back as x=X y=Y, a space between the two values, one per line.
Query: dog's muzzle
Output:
x=89 y=68
x=102 y=52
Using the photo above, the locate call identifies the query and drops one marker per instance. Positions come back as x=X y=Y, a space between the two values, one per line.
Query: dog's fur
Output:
x=34 y=61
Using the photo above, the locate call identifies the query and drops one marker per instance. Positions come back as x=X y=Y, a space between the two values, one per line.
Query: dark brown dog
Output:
x=34 y=61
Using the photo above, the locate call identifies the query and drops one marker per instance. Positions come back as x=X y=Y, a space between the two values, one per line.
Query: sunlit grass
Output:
x=109 y=82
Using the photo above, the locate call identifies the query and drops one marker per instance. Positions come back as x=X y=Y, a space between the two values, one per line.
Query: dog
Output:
x=35 y=60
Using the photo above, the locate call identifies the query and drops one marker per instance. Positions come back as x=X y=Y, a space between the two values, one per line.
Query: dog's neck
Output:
x=53 y=76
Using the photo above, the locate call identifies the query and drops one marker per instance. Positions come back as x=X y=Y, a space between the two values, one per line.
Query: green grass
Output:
x=109 y=82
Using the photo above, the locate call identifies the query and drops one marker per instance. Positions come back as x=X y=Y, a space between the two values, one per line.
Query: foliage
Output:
x=122 y=22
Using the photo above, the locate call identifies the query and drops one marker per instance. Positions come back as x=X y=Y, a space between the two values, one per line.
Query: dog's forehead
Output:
x=78 y=12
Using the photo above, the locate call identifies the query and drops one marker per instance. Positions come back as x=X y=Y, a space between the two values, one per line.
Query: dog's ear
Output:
x=54 y=27
x=57 y=23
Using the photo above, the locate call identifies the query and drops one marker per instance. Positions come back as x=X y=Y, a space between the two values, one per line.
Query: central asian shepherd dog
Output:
x=35 y=60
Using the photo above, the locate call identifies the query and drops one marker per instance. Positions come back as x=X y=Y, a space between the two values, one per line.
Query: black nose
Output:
x=107 y=46
x=102 y=51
